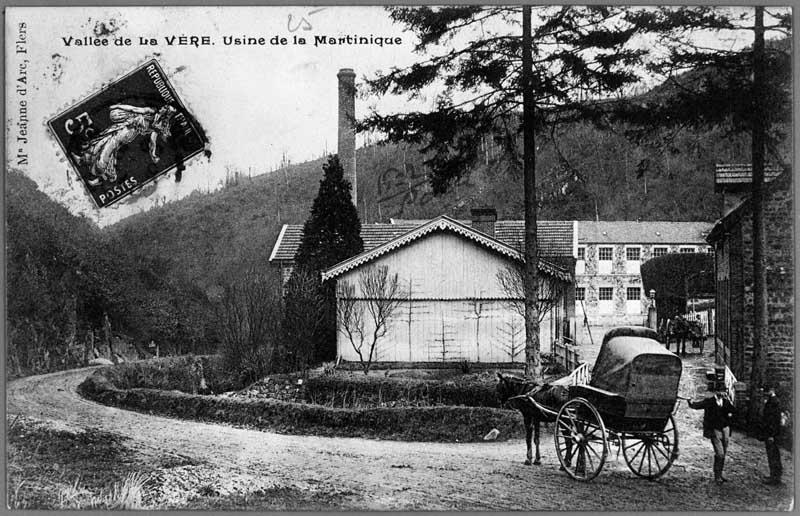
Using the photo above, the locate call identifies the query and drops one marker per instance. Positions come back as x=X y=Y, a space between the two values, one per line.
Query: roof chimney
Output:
x=347 y=131
x=483 y=220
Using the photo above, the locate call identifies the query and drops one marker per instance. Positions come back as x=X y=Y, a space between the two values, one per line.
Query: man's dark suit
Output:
x=718 y=412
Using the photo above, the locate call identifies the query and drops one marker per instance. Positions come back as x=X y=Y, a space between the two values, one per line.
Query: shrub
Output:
x=171 y=373
x=444 y=423
x=249 y=318
x=358 y=390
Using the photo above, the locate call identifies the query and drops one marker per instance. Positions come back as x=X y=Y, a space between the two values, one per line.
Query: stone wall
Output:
x=737 y=245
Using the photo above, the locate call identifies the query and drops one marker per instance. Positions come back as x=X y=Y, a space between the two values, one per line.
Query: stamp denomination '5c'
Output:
x=127 y=134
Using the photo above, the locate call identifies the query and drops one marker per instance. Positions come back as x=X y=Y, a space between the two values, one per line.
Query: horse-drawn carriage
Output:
x=628 y=401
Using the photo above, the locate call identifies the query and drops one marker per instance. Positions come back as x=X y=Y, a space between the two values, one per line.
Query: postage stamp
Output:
x=127 y=134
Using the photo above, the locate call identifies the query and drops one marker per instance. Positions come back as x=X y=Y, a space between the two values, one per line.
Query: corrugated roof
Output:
x=442 y=223
x=554 y=236
x=650 y=232
x=742 y=173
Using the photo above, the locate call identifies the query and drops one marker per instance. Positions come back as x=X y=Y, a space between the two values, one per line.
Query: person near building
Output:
x=697 y=333
x=680 y=329
x=668 y=327
x=771 y=430
x=717 y=417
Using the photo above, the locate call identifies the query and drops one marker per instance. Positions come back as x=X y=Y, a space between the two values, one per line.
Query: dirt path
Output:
x=379 y=475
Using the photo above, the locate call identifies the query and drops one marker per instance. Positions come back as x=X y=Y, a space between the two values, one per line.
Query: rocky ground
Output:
x=193 y=465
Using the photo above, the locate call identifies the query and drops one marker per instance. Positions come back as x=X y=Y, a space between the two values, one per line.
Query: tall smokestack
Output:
x=347 y=130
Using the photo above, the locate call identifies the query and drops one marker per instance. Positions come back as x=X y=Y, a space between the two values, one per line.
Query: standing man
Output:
x=771 y=432
x=680 y=328
x=697 y=333
x=717 y=418
x=668 y=329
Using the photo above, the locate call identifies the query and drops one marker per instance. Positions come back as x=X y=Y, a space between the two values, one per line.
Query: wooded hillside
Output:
x=589 y=174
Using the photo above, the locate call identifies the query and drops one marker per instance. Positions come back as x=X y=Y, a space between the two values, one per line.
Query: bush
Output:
x=362 y=390
x=121 y=386
x=250 y=318
x=408 y=423
x=171 y=373
x=667 y=276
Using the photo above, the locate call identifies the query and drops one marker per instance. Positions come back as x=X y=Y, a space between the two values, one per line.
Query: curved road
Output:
x=380 y=475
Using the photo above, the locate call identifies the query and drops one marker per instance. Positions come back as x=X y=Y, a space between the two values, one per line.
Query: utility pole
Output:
x=758 y=370
x=533 y=365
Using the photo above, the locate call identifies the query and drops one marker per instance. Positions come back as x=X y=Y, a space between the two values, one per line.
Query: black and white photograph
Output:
x=400 y=258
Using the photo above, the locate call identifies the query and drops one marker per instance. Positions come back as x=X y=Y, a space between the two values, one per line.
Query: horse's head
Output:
x=509 y=385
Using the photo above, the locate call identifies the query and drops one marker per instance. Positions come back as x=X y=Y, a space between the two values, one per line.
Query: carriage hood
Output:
x=634 y=354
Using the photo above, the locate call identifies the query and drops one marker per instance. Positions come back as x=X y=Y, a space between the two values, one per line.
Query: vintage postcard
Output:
x=348 y=258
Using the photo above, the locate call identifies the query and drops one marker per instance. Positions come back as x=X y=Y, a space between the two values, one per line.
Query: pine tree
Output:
x=331 y=234
x=333 y=231
x=743 y=90
x=491 y=72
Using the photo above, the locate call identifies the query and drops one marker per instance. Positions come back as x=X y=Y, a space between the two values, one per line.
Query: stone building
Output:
x=731 y=237
x=608 y=288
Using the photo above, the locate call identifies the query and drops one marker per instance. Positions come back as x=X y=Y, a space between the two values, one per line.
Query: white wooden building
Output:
x=453 y=307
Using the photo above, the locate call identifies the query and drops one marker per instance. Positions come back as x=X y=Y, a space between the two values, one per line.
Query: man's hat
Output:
x=716 y=381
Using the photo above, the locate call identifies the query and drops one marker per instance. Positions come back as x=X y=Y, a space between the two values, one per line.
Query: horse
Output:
x=681 y=331
x=518 y=393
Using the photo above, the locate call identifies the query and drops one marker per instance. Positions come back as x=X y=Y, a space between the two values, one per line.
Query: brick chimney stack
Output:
x=347 y=131
x=483 y=219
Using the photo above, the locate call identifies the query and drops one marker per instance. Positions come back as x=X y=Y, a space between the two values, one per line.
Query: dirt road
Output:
x=348 y=473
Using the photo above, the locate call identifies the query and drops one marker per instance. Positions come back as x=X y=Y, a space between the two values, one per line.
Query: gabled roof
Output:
x=441 y=223
x=649 y=232
x=554 y=236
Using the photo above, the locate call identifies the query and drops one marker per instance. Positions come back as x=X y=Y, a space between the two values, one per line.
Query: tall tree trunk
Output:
x=533 y=365
x=757 y=374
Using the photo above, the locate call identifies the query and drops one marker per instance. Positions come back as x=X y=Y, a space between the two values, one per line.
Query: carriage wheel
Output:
x=650 y=454
x=580 y=437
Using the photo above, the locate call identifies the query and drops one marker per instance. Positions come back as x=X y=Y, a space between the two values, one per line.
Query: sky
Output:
x=256 y=103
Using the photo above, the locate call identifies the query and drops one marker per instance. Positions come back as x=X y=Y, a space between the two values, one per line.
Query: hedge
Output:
x=172 y=373
x=358 y=389
x=442 y=423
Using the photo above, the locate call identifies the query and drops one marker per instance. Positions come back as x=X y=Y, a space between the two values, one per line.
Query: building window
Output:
x=686 y=250
x=606 y=293
x=709 y=249
x=580 y=293
x=581 y=253
x=605 y=253
x=659 y=251
x=632 y=254
x=633 y=293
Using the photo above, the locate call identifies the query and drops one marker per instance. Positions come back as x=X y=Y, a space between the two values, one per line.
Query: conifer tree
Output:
x=745 y=90
x=332 y=233
x=491 y=72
